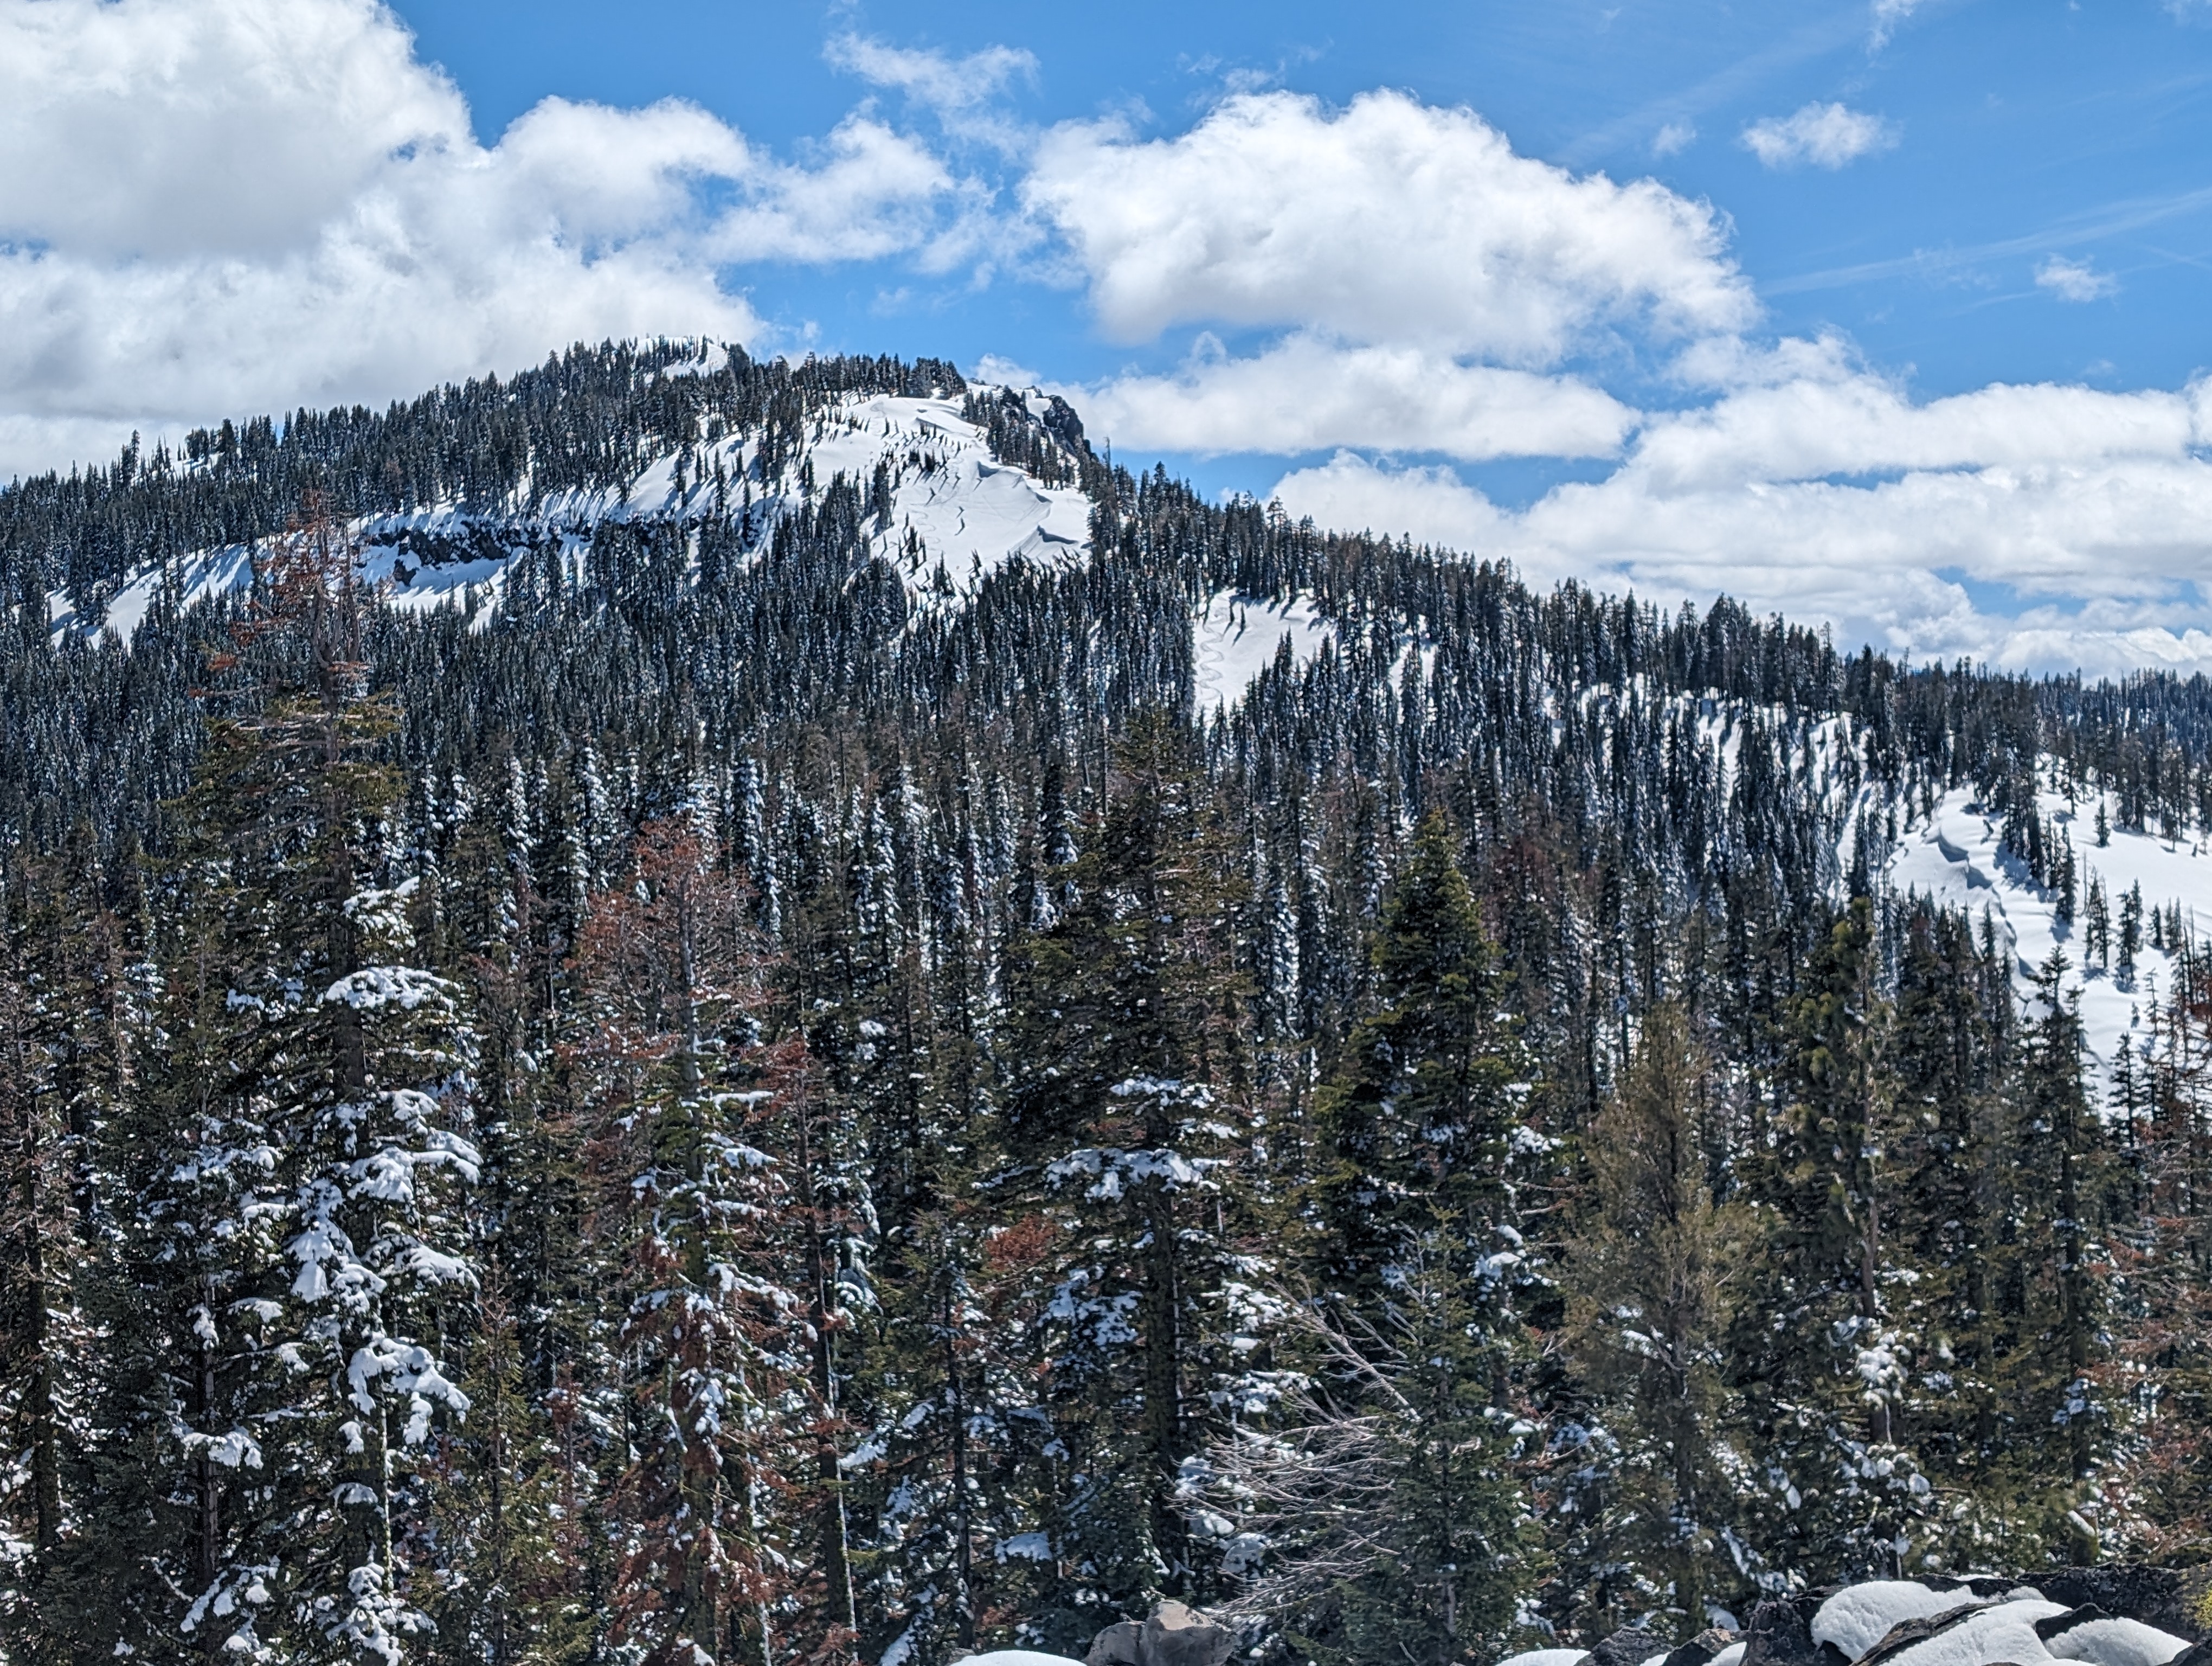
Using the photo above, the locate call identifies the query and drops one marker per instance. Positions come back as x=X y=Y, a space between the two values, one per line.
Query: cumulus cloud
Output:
x=1418 y=290
x=1428 y=505
x=1842 y=502
x=1307 y=394
x=1673 y=138
x=217 y=206
x=1387 y=222
x=209 y=207
x=1416 y=279
x=2073 y=280
x=1824 y=135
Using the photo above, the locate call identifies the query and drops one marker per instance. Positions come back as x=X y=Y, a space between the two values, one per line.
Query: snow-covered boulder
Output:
x=1980 y=1620
x=1859 y=1616
x=2103 y=1640
x=1548 y=1657
x=1999 y=1631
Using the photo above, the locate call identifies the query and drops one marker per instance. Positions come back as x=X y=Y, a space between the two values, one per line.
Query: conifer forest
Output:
x=754 y=1083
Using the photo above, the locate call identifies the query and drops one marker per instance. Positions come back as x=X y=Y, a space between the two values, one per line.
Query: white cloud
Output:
x=2093 y=507
x=1307 y=394
x=1824 y=135
x=941 y=81
x=997 y=370
x=212 y=206
x=2073 y=280
x=1811 y=428
x=1673 y=138
x=1887 y=15
x=1419 y=291
x=961 y=92
x=1387 y=222
x=1428 y=505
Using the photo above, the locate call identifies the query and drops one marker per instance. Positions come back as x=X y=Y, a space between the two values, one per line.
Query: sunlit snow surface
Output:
x=971 y=515
x=1234 y=638
x=1954 y=857
x=1859 y=1616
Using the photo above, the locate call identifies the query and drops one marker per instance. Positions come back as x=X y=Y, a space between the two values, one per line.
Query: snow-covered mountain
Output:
x=957 y=515
x=948 y=512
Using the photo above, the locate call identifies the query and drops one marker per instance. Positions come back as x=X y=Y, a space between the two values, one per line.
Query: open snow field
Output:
x=1955 y=857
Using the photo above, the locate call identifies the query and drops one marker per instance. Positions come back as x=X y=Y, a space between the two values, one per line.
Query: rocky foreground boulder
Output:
x=1172 y=1635
x=2111 y=1616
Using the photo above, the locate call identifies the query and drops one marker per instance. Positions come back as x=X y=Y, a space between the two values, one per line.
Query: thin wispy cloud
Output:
x=1730 y=84
x=1829 y=135
x=2110 y=220
x=1673 y=138
x=2073 y=280
x=1887 y=15
x=938 y=79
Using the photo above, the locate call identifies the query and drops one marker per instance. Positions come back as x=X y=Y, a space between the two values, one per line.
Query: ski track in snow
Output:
x=1234 y=638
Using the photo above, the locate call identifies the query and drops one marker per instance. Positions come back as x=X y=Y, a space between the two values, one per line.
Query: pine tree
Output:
x=2059 y=1274
x=696 y=1212
x=1419 y=1118
x=349 y=1068
x=1128 y=1043
x=42 y=1358
x=1657 y=1266
x=1828 y=1369
x=1379 y=1515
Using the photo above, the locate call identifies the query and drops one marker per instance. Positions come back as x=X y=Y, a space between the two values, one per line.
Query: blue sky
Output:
x=2026 y=128
x=1888 y=312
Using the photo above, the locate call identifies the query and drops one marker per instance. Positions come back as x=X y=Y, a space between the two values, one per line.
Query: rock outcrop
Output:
x=1173 y=1634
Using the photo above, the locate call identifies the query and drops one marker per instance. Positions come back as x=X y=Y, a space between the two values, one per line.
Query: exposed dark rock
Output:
x=1779 y=1632
x=1116 y=1645
x=1180 y=1636
x=2047 y=1629
x=1702 y=1647
x=1629 y=1646
x=1175 y=1635
x=1906 y=1633
x=1976 y=1584
x=2171 y=1599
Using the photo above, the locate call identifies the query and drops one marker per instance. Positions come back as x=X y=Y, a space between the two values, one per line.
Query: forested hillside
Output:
x=658 y=1012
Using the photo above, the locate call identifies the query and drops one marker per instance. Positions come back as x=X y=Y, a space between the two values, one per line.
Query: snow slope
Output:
x=1955 y=856
x=1234 y=638
x=969 y=515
